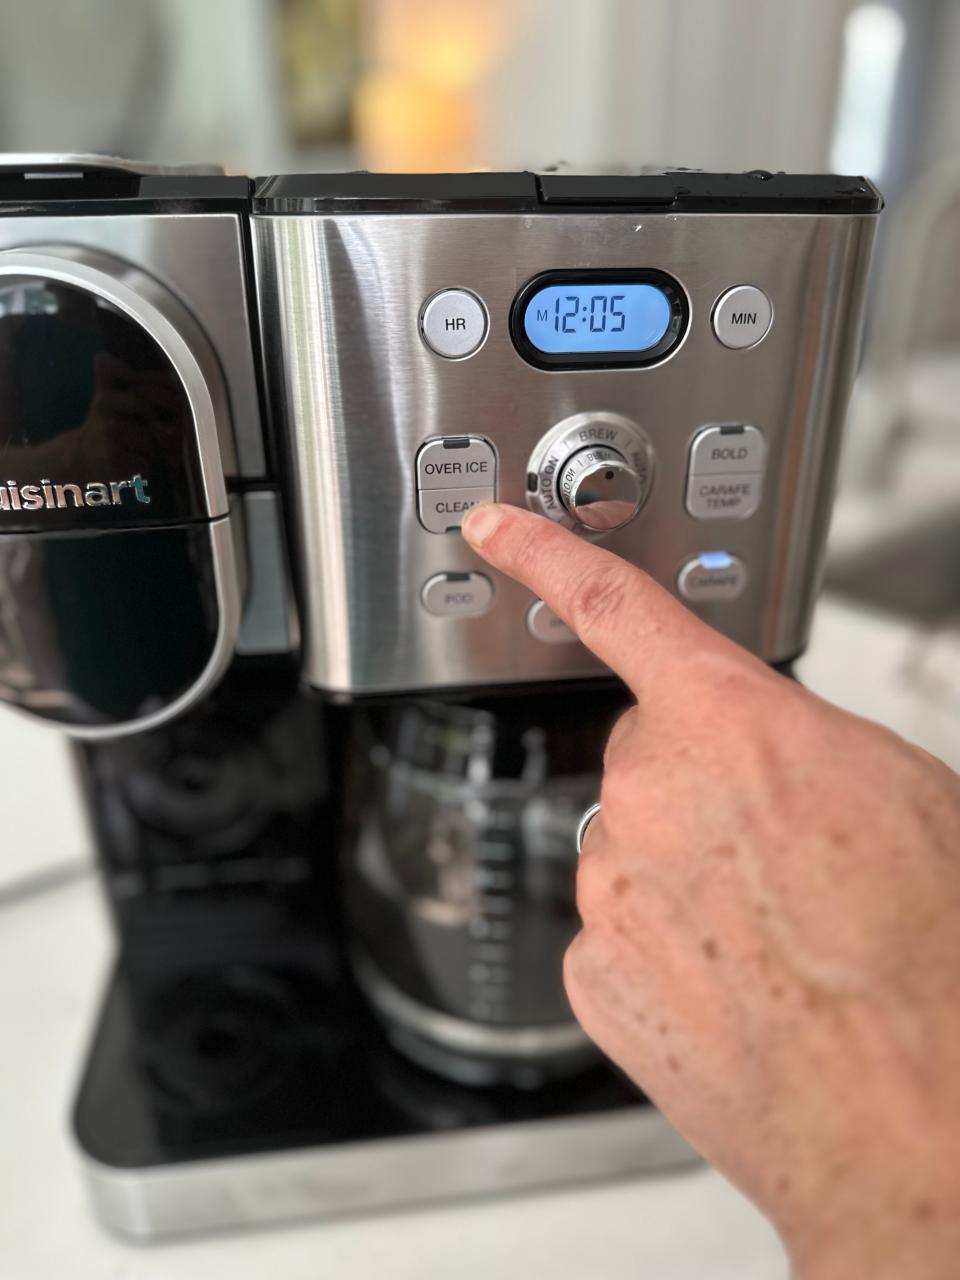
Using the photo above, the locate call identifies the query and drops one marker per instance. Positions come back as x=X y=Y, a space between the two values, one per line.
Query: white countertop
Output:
x=54 y=951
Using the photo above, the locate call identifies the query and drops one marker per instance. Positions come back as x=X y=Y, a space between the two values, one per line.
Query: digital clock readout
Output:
x=575 y=319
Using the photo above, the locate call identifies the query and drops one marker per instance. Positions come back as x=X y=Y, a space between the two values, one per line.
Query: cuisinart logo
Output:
x=34 y=497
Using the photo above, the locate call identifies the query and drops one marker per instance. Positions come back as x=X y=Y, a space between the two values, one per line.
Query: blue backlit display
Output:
x=583 y=318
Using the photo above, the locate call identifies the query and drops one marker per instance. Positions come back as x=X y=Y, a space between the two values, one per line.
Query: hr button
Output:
x=453 y=323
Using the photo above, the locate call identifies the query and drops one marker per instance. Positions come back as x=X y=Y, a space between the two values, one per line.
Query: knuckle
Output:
x=598 y=597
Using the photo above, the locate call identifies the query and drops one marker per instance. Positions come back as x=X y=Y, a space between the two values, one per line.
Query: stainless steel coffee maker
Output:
x=334 y=762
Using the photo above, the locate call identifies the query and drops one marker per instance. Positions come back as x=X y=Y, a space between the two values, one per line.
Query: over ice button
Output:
x=441 y=510
x=742 y=317
x=712 y=575
x=453 y=323
x=463 y=461
x=457 y=595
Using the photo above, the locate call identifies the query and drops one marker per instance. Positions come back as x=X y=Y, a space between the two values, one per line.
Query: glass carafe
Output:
x=461 y=886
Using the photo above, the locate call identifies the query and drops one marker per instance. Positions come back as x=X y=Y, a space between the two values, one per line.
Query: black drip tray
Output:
x=249 y=1059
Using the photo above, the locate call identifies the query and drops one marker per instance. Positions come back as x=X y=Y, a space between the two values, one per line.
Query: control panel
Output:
x=670 y=385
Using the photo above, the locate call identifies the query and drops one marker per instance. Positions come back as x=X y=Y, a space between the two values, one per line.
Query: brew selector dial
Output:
x=592 y=471
x=600 y=489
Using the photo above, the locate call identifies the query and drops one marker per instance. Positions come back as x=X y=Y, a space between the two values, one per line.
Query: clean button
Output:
x=441 y=510
x=453 y=323
x=742 y=317
x=457 y=595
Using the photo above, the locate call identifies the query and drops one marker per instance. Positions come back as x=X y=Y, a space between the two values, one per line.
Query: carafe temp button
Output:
x=457 y=595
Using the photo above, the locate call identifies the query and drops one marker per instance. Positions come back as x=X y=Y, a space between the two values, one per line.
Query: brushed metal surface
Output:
x=359 y=393
x=199 y=258
x=388 y=1174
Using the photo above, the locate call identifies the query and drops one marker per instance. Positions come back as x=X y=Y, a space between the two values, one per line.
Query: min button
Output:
x=453 y=323
x=742 y=317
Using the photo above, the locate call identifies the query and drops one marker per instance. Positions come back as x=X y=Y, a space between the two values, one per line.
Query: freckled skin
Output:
x=776 y=885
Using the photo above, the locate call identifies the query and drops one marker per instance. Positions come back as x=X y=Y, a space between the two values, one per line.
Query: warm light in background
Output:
x=420 y=105
x=406 y=125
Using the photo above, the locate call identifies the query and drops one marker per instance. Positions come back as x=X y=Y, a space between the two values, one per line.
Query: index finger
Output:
x=629 y=621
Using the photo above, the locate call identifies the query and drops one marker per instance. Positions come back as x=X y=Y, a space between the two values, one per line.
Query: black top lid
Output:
x=85 y=184
x=676 y=191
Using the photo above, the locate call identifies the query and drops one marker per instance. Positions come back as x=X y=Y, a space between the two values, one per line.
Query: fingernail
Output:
x=480 y=522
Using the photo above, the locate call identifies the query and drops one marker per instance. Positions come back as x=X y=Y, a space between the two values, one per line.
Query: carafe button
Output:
x=712 y=575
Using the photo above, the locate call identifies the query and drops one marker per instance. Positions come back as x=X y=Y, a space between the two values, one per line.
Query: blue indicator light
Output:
x=715 y=560
x=575 y=319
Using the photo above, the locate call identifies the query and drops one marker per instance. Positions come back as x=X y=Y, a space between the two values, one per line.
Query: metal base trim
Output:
x=256 y=1190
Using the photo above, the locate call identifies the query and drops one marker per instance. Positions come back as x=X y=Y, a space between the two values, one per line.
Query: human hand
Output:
x=770 y=898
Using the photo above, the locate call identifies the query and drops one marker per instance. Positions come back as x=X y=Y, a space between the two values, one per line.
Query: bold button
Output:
x=543 y=624
x=712 y=575
x=441 y=510
x=453 y=323
x=742 y=317
x=464 y=461
x=726 y=497
x=457 y=595
x=718 y=451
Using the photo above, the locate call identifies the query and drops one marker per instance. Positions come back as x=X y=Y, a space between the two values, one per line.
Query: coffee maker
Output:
x=333 y=762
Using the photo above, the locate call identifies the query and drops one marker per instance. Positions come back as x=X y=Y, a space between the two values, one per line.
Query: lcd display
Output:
x=582 y=318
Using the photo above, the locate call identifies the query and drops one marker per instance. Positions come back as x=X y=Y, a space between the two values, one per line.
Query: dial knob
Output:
x=600 y=489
